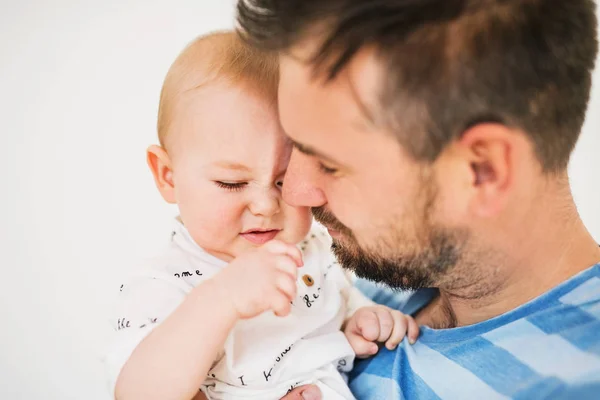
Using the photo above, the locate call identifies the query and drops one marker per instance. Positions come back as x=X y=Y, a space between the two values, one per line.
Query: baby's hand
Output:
x=380 y=324
x=261 y=280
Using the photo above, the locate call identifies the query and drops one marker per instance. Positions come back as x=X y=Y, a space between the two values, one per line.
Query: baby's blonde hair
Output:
x=219 y=56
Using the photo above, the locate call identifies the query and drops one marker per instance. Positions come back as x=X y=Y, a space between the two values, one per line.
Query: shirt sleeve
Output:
x=142 y=305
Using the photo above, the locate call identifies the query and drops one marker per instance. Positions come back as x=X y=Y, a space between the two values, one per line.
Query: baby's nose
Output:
x=266 y=204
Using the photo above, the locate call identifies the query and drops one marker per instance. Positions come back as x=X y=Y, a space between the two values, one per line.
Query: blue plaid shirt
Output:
x=547 y=348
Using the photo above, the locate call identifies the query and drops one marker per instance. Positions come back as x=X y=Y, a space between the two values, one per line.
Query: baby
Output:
x=246 y=301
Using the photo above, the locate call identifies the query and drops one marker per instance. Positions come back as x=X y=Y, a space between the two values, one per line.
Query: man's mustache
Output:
x=329 y=220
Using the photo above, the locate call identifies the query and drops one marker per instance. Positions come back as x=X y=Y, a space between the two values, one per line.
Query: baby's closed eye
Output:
x=232 y=186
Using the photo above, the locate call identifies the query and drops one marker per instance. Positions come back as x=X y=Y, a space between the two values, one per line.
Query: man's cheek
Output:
x=346 y=214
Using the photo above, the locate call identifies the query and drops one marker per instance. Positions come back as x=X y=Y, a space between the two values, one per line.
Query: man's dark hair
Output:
x=450 y=64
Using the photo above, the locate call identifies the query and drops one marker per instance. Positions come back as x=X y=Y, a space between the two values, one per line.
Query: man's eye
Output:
x=327 y=170
x=233 y=186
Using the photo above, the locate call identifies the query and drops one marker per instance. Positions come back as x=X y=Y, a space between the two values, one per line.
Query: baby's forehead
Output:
x=222 y=109
x=228 y=121
x=219 y=60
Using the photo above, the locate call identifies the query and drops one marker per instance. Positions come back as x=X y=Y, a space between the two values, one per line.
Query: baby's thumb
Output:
x=361 y=346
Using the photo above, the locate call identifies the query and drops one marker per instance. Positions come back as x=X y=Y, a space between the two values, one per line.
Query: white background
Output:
x=79 y=87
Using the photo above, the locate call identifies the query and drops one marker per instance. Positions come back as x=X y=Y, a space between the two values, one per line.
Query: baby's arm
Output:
x=174 y=359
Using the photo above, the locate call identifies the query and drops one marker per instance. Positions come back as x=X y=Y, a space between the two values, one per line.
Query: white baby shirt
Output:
x=263 y=357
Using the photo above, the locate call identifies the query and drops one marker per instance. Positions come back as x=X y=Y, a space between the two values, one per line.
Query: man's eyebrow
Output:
x=231 y=165
x=309 y=151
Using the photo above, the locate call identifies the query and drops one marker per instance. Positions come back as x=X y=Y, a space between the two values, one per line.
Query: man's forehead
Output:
x=329 y=120
x=355 y=90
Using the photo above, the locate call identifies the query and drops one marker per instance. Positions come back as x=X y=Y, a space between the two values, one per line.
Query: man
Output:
x=432 y=139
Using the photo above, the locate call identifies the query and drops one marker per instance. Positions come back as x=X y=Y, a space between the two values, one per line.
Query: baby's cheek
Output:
x=227 y=217
x=214 y=224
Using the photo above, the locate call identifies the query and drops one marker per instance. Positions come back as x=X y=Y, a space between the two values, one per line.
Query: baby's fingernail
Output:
x=411 y=341
x=374 y=349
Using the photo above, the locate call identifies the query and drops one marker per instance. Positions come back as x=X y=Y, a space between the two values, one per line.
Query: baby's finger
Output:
x=280 y=304
x=413 y=329
x=399 y=332
x=285 y=264
x=279 y=247
x=286 y=285
x=309 y=392
x=367 y=324
x=386 y=323
x=362 y=347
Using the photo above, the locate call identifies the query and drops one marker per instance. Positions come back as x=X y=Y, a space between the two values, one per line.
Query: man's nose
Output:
x=301 y=182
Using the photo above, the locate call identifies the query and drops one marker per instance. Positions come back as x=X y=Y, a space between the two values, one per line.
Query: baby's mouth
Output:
x=260 y=236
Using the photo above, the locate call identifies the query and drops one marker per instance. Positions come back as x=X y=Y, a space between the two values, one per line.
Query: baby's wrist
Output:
x=220 y=298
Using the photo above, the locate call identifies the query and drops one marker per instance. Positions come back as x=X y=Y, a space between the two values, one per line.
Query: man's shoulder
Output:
x=584 y=291
x=548 y=348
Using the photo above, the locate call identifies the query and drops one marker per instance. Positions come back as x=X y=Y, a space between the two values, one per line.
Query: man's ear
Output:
x=160 y=165
x=494 y=153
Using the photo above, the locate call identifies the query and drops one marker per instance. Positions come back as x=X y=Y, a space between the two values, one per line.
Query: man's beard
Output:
x=427 y=266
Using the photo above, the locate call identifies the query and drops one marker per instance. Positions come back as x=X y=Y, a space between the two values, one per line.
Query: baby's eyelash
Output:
x=234 y=187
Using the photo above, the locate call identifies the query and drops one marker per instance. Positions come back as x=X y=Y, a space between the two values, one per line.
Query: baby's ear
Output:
x=160 y=165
